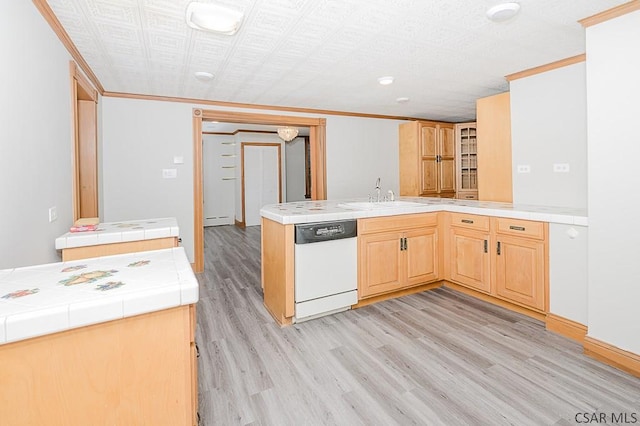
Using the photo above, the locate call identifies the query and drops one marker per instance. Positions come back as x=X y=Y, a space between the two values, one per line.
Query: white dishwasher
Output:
x=326 y=271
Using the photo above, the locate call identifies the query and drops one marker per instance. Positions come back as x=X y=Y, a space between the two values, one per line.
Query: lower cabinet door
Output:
x=380 y=266
x=421 y=253
x=520 y=271
x=470 y=259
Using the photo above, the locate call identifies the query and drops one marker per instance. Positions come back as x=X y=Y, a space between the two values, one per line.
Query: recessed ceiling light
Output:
x=385 y=80
x=203 y=75
x=503 y=11
x=213 y=17
x=402 y=100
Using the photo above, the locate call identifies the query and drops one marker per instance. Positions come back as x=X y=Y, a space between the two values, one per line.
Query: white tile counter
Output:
x=326 y=210
x=45 y=299
x=119 y=232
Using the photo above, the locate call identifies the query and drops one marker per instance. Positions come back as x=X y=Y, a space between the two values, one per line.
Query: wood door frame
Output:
x=81 y=90
x=317 y=133
x=242 y=145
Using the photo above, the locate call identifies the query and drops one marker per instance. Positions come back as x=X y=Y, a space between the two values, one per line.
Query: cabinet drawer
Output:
x=398 y=222
x=470 y=221
x=467 y=196
x=521 y=228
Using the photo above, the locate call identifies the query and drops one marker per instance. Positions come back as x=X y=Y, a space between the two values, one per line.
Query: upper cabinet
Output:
x=427 y=159
x=467 y=161
x=494 y=148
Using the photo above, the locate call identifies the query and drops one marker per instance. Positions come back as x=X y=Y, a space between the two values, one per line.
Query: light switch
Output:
x=561 y=168
x=524 y=168
x=178 y=159
x=53 y=213
x=169 y=173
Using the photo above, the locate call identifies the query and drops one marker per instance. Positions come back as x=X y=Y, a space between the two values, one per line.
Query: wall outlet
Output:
x=524 y=168
x=561 y=168
x=53 y=214
x=169 y=173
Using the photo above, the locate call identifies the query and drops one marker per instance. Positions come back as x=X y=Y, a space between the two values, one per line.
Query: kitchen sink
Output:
x=376 y=206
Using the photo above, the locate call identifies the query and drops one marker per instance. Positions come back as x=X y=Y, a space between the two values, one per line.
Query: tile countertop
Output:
x=326 y=210
x=118 y=232
x=45 y=299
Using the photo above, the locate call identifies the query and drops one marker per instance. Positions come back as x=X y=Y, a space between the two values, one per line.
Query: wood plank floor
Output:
x=433 y=358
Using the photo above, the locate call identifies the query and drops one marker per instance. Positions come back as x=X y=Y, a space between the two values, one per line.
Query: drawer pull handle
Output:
x=498 y=248
x=517 y=228
x=466 y=221
x=486 y=246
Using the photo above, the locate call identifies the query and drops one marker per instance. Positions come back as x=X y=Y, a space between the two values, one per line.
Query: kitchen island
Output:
x=108 y=340
x=498 y=252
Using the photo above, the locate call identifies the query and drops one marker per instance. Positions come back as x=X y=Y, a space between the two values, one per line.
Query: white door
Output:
x=261 y=169
x=218 y=167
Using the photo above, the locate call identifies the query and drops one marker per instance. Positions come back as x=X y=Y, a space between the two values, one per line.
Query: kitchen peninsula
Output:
x=107 y=340
x=119 y=238
x=498 y=252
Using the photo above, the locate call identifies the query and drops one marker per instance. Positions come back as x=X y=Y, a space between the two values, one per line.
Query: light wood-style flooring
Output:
x=433 y=358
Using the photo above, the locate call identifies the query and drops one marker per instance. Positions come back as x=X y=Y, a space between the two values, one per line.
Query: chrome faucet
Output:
x=378 y=190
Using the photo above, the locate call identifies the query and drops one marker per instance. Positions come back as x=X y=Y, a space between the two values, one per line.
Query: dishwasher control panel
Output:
x=325 y=231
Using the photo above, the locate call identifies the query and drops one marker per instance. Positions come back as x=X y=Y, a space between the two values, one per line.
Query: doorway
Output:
x=85 y=146
x=317 y=130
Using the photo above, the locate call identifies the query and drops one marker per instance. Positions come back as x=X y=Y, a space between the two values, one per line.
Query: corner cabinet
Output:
x=427 y=159
x=397 y=252
x=466 y=161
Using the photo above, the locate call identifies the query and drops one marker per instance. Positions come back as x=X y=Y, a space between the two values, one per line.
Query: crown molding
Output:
x=623 y=9
x=57 y=28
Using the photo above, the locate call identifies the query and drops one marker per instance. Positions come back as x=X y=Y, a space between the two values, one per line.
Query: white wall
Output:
x=549 y=125
x=359 y=150
x=613 y=90
x=140 y=138
x=35 y=138
x=295 y=169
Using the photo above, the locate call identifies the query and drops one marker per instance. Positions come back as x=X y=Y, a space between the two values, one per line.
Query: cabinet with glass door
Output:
x=467 y=159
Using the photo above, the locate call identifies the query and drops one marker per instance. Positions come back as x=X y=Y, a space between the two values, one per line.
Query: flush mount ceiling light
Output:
x=203 y=76
x=214 y=18
x=287 y=133
x=503 y=11
x=386 y=80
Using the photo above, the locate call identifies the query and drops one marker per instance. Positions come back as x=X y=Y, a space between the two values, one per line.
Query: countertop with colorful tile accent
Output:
x=45 y=299
x=119 y=232
x=329 y=210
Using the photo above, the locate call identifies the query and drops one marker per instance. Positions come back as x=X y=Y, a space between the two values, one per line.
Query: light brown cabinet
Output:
x=501 y=257
x=394 y=254
x=469 y=251
x=427 y=159
x=466 y=161
x=130 y=371
x=520 y=262
x=494 y=148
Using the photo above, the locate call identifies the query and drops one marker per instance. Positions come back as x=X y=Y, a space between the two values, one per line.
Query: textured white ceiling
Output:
x=326 y=54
